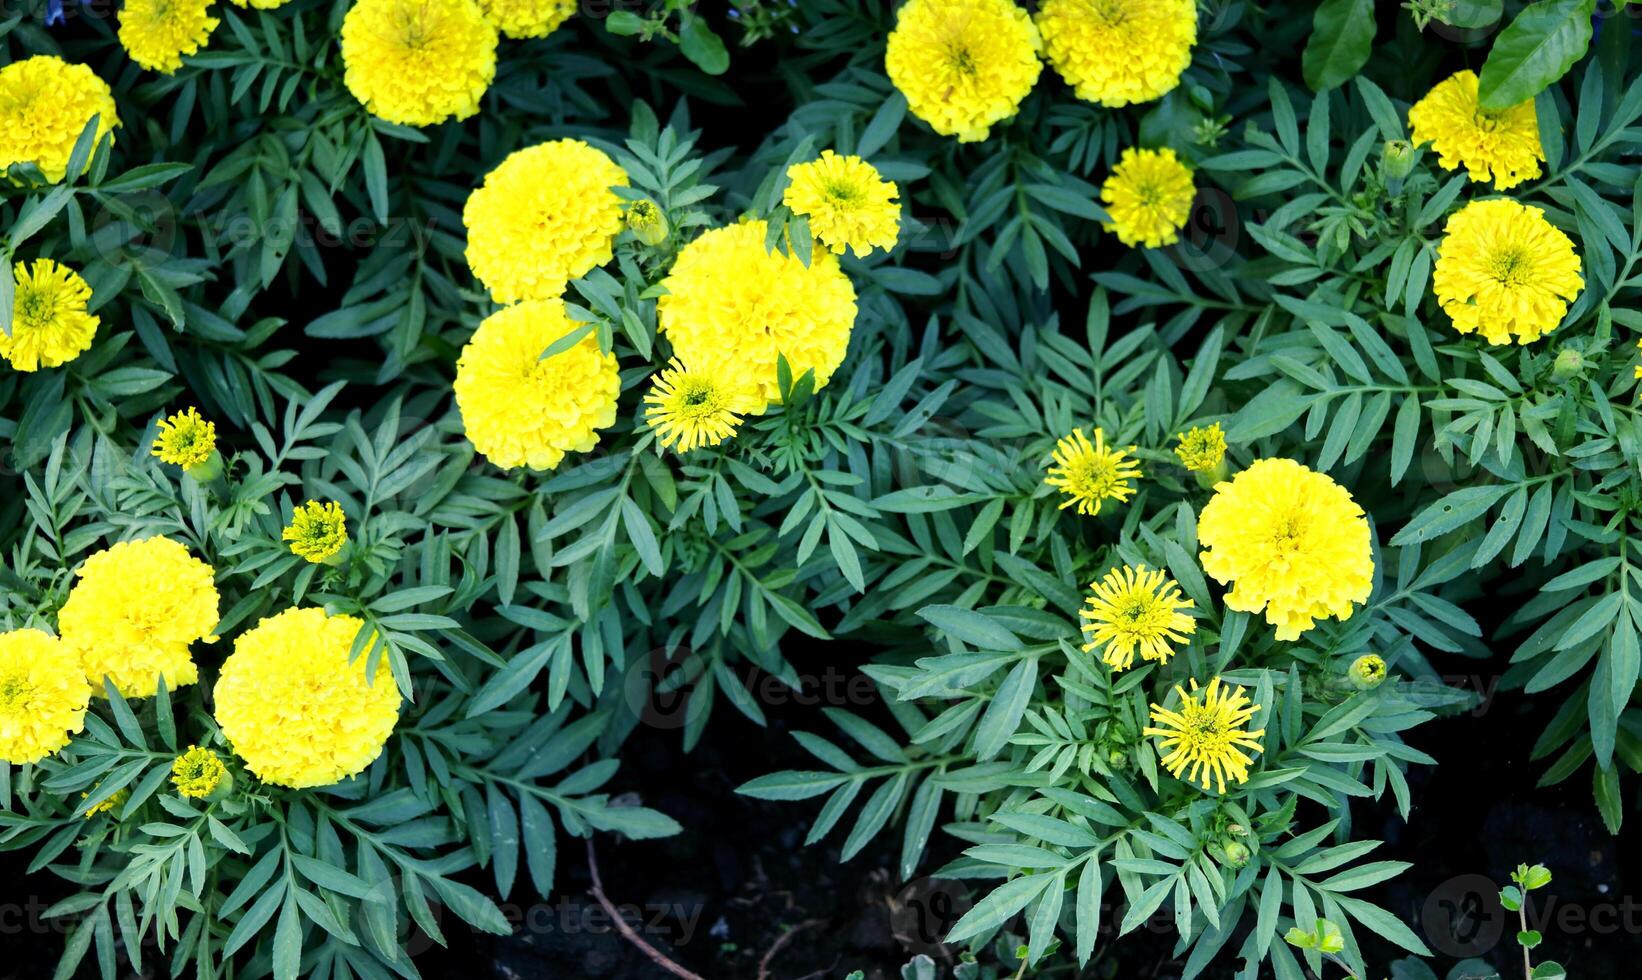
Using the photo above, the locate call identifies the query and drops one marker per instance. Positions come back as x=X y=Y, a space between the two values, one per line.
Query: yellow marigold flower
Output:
x=185 y=439
x=157 y=33
x=647 y=222
x=1202 y=449
x=200 y=773
x=1135 y=609
x=734 y=307
x=543 y=217
x=963 y=64
x=1207 y=736
x=1091 y=473
x=49 y=322
x=317 y=530
x=106 y=806
x=520 y=409
x=43 y=696
x=687 y=408
x=1149 y=197
x=1504 y=270
x=133 y=613
x=527 y=18
x=847 y=202
x=1291 y=542
x=418 y=62
x=45 y=103
x=1367 y=671
x=1115 y=52
x=1500 y=146
x=296 y=709
x=261 y=4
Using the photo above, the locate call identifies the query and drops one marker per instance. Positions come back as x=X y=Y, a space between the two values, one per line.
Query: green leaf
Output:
x=702 y=46
x=974 y=628
x=1472 y=14
x=1534 y=51
x=1342 y=37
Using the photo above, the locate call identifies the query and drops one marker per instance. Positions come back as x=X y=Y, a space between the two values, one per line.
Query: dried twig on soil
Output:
x=781 y=942
x=656 y=955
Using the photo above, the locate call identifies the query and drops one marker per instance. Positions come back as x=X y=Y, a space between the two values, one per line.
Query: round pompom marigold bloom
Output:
x=49 y=322
x=1089 y=474
x=133 y=613
x=158 y=33
x=1505 y=271
x=688 y=408
x=43 y=696
x=45 y=103
x=1149 y=197
x=1500 y=146
x=317 y=530
x=200 y=773
x=733 y=308
x=418 y=62
x=1207 y=737
x=1116 y=52
x=296 y=709
x=847 y=202
x=1135 y=610
x=1290 y=541
x=185 y=439
x=520 y=409
x=527 y=18
x=543 y=217
x=963 y=64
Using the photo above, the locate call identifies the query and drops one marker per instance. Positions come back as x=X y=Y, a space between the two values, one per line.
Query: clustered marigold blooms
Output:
x=1290 y=542
x=733 y=308
x=1504 y=271
x=544 y=216
x=963 y=65
x=296 y=708
x=418 y=62
x=1118 y=52
x=847 y=202
x=521 y=409
x=527 y=18
x=1149 y=197
x=135 y=610
x=45 y=104
x=43 y=696
x=49 y=322
x=1501 y=146
x=157 y=34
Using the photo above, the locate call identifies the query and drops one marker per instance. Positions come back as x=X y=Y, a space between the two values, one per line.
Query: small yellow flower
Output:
x=1149 y=197
x=687 y=409
x=963 y=65
x=647 y=222
x=157 y=33
x=1367 y=671
x=45 y=102
x=1117 y=52
x=1504 y=271
x=200 y=773
x=1500 y=146
x=106 y=806
x=49 y=322
x=1202 y=449
x=1135 y=609
x=317 y=531
x=1207 y=736
x=1091 y=473
x=185 y=439
x=847 y=202
x=43 y=696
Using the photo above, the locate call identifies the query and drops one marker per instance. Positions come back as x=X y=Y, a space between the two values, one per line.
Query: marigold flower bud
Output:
x=1367 y=671
x=647 y=222
x=1396 y=160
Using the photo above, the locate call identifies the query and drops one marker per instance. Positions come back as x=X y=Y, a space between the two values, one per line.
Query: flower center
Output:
x=1112 y=12
x=15 y=692
x=1509 y=266
x=37 y=308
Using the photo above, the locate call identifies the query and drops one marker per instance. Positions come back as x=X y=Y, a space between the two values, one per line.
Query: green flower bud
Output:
x=1237 y=853
x=1367 y=671
x=1396 y=161
x=1570 y=364
x=648 y=223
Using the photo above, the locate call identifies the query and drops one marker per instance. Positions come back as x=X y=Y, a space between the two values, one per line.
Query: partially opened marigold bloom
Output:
x=847 y=202
x=45 y=103
x=1504 y=271
x=963 y=65
x=733 y=308
x=543 y=217
x=520 y=409
x=135 y=610
x=1207 y=738
x=527 y=18
x=418 y=62
x=49 y=322
x=43 y=696
x=1149 y=197
x=317 y=530
x=1501 y=146
x=1135 y=610
x=1291 y=542
x=199 y=773
x=688 y=408
x=1367 y=671
x=1091 y=473
x=1116 y=52
x=1202 y=448
x=158 y=33
x=185 y=439
x=108 y=804
x=296 y=709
